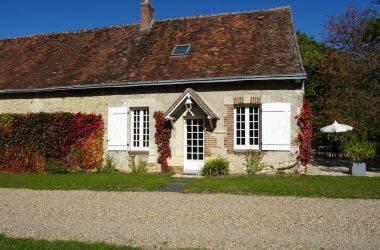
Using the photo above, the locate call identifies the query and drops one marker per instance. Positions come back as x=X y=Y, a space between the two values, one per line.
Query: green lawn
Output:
x=90 y=181
x=29 y=244
x=307 y=186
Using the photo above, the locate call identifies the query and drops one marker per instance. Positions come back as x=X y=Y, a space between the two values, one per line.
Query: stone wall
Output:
x=221 y=97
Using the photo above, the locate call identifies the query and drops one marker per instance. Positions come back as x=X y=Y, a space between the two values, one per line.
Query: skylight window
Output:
x=181 y=50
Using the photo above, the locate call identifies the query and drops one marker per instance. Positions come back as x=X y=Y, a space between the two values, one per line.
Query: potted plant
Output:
x=358 y=150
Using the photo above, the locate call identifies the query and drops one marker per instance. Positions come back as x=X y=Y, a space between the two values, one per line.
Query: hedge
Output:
x=35 y=142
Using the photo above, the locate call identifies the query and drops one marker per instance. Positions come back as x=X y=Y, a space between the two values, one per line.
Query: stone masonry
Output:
x=219 y=97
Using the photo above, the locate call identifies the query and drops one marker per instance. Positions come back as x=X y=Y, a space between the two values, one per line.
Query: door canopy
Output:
x=188 y=100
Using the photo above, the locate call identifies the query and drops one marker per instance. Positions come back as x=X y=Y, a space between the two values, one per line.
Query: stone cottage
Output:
x=227 y=83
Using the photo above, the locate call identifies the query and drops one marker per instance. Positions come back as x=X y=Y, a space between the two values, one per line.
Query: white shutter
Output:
x=276 y=126
x=117 y=128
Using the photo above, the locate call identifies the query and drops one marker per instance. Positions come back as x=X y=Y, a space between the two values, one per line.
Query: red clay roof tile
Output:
x=256 y=43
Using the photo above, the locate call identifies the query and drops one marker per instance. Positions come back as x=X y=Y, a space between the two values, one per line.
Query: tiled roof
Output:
x=245 y=44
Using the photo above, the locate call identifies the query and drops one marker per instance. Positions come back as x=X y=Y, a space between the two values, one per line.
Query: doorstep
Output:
x=188 y=174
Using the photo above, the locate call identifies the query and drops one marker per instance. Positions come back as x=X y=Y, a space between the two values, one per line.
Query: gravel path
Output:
x=172 y=220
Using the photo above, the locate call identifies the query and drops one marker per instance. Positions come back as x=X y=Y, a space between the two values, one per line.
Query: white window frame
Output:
x=246 y=114
x=141 y=128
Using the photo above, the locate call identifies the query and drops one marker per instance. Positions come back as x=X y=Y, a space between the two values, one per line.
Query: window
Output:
x=181 y=50
x=246 y=128
x=140 y=129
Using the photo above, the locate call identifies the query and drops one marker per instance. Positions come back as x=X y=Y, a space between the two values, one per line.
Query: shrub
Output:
x=140 y=167
x=109 y=165
x=216 y=167
x=358 y=149
x=253 y=162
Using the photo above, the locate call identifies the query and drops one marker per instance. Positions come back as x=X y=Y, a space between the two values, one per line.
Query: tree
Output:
x=343 y=72
x=312 y=57
x=348 y=85
x=310 y=51
x=372 y=33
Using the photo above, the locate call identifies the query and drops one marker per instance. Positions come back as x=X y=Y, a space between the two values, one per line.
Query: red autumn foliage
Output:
x=33 y=142
x=162 y=139
x=305 y=134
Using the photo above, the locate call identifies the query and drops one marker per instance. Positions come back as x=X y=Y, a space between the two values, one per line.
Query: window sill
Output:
x=139 y=151
x=117 y=148
x=237 y=148
x=244 y=151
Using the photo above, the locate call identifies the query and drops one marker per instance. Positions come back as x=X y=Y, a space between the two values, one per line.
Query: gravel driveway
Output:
x=172 y=220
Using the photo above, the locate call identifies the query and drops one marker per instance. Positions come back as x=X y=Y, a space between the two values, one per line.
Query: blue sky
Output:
x=25 y=17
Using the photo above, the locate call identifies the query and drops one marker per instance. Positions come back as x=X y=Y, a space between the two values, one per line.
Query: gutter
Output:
x=158 y=83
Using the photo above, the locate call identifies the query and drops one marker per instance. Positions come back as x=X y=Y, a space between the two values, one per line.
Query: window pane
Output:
x=181 y=50
x=146 y=128
x=255 y=127
x=240 y=125
x=136 y=128
x=246 y=126
x=140 y=128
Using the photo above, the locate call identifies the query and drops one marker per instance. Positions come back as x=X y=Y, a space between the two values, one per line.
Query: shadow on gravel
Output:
x=343 y=164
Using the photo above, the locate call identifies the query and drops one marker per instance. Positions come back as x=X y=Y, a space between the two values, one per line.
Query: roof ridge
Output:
x=286 y=7
x=116 y=26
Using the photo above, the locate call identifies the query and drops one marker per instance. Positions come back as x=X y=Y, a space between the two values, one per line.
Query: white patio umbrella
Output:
x=336 y=128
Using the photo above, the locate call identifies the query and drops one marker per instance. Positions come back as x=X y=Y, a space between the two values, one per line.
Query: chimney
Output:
x=146 y=15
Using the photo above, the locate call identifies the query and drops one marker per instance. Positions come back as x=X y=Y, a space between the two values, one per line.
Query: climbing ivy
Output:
x=306 y=130
x=33 y=142
x=162 y=139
